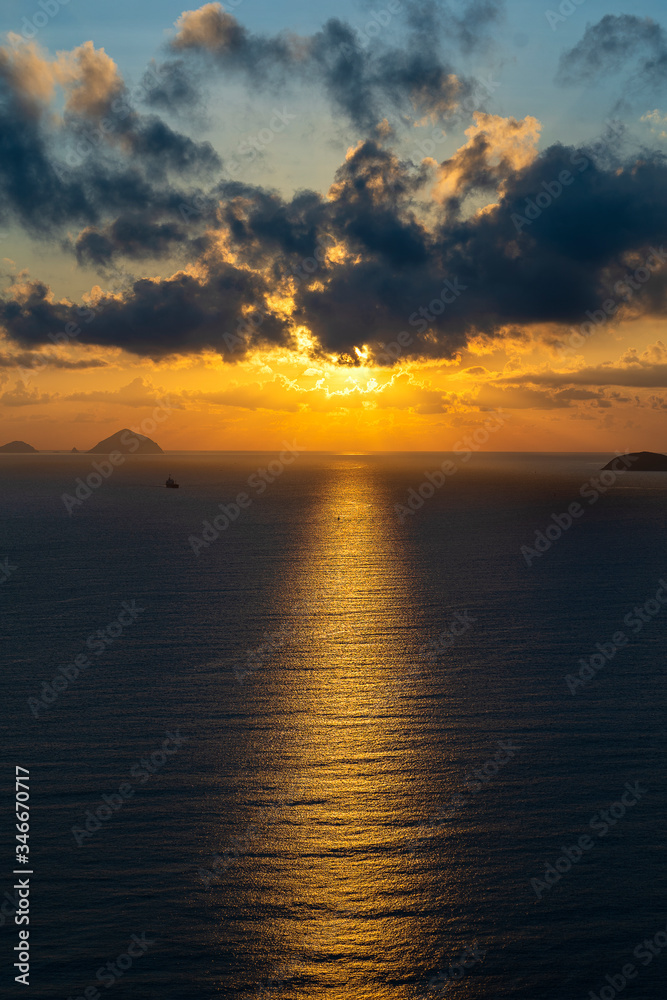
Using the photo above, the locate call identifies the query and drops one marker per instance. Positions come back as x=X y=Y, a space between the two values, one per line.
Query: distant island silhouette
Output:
x=127 y=442
x=18 y=447
x=641 y=461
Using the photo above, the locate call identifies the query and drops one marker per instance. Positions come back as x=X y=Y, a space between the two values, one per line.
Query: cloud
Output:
x=577 y=395
x=137 y=393
x=31 y=76
x=134 y=235
x=370 y=262
x=645 y=370
x=497 y=148
x=173 y=86
x=33 y=360
x=210 y=27
x=91 y=79
x=476 y=22
x=275 y=395
x=401 y=391
x=611 y=46
x=364 y=266
x=101 y=159
x=503 y=269
x=154 y=141
x=88 y=76
x=654 y=376
x=155 y=317
x=20 y=395
x=492 y=397
x=362 y=83
x=657 y=122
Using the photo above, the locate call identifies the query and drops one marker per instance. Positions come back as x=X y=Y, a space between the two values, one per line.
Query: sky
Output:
x=368 y=226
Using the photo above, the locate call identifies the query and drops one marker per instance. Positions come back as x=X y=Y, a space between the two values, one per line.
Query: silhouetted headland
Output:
x=641 y=461
x=18 y=447
x=127 y=443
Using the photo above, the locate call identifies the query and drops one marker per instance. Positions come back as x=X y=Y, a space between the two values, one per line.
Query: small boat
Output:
x=171 y=485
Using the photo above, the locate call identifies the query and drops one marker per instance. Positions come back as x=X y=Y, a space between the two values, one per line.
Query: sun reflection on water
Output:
x=353 y=883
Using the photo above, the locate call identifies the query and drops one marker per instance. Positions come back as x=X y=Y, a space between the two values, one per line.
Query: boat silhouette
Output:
x=171 y=485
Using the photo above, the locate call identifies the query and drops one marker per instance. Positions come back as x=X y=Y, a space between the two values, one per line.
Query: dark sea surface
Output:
x=318 y=830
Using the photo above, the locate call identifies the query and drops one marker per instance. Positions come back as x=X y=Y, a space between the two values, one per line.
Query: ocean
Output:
x=313 y=733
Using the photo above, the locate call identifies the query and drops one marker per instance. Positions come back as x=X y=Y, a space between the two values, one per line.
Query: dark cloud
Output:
x=577 y=395
x=475 y=22
x=364 y=83
x=31 y=360
x=172 y=86
x=135 y=236
x=80 y=174
x=645 y=377
x=614 y=44
x=369 y=264
x=502 y=268
x=154 y=318
x=392 y=276
x=31 y=187
x=155 y=142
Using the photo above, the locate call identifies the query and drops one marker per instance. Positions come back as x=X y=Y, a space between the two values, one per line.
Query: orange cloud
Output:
x=496 y=148
x=89 y=77
x=210 y=27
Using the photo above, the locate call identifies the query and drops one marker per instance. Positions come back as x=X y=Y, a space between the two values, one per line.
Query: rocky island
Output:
x=127 y=443
x=18 y=448
x=640 y=461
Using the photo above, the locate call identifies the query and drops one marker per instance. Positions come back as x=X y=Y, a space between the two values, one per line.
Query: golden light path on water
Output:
x=352 y=756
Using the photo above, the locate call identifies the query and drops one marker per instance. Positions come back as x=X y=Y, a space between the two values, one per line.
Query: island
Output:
x=127 y=443
x=18 y=448
x=640 y=461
